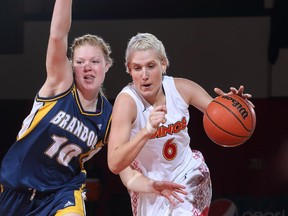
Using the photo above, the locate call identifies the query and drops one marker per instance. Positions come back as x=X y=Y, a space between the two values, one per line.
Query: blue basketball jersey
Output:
x=55 y=140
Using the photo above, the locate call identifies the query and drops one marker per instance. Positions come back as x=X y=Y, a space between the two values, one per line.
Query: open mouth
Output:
x=88 y=77
x=146 y=85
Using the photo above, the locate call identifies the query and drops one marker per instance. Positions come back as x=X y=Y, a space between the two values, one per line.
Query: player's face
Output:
x=146 y=70
x=89 y=67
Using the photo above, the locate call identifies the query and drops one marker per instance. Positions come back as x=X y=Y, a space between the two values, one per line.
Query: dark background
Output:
x=250 y=173
x=254 y=175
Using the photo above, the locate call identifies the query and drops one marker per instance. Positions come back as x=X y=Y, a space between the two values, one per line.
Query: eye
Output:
x=79 y=62
x=136 y=68
x=95 y=61
x=151 y=66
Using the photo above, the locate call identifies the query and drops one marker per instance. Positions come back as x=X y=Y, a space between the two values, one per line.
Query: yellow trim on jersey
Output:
x=105 y=138
x=40 y=108
x=57 y=97
x=39 y=114
x=79 y=207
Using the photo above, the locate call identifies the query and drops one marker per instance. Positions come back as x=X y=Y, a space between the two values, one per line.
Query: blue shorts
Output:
x=32 y=203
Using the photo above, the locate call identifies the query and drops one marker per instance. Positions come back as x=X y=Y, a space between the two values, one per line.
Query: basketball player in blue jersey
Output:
x=149 y=131
x=43 y=171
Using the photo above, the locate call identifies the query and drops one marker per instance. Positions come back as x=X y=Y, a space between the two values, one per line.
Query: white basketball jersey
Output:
x=167 y=155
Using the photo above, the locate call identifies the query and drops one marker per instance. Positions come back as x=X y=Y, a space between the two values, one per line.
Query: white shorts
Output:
x=196 y=203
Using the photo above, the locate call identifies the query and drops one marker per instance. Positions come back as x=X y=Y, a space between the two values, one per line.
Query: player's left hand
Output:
x=169 y=190
x=239 y=92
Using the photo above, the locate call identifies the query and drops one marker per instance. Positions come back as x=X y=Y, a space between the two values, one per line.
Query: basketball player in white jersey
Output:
x=149 y=131
x=43 y=172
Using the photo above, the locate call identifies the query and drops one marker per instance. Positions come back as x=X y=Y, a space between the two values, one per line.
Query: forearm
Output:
x=61 y=19
x=123 y=155
x=58 y=67
x=136 y=181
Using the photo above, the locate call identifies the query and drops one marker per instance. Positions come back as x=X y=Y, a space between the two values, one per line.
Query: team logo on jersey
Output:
x=69 y=204
x=170 y=129
x=76 y=127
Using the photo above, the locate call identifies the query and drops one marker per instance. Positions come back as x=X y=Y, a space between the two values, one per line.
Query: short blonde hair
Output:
x=145 y=41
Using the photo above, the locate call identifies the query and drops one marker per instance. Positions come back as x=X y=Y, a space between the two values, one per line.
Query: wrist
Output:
x=150 y=128
x=149 y=186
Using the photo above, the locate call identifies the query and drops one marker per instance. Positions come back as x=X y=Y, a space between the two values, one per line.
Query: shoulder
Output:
x=192 y=93
x=124 y=97
x=124 y=107
x=129 y=95
x=185 y=85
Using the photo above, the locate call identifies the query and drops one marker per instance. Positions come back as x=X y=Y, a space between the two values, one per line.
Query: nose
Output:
x=87 y=67
x=145 y=73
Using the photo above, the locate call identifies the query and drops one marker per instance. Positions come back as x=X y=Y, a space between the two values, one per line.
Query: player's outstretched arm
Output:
x=59 y=69
x=137 y=182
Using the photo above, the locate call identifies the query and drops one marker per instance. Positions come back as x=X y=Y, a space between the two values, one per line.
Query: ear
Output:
x=129 y=71
x=107 y=66
x=163 y=67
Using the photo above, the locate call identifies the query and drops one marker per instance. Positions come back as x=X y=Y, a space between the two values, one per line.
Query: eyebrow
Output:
x=149 y=62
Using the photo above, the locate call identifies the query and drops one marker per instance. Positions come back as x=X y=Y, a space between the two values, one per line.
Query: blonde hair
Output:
x=92 y=40
x=145 y=41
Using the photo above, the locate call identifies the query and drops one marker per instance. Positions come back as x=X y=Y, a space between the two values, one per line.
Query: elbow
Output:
x=114 y=167
x=114 y=170
x=116 y=163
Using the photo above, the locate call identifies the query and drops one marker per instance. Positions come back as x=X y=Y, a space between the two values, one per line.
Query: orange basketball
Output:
x=229 y=120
